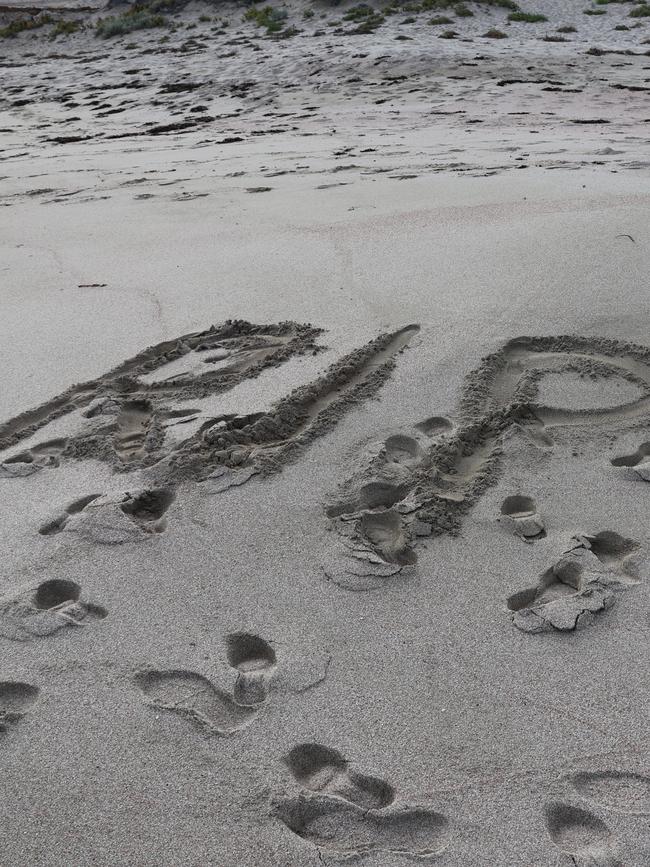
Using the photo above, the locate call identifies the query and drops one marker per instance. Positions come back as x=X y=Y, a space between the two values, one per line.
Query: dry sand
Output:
x=365 y=580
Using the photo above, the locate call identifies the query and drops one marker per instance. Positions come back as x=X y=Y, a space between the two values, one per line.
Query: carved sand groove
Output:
x=128 y=412
x=125 y=409
x=426 y=479
x=233 y=449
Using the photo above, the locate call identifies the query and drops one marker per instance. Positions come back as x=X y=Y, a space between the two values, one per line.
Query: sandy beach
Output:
x=325 y=437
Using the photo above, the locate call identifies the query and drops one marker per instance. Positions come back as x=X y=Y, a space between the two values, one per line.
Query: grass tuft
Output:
x=528 y=17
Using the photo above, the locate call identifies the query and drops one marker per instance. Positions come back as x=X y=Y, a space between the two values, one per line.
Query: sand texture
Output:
x=325 y=437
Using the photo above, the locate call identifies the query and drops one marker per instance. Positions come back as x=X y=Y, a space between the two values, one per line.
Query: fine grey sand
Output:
x=325 y=439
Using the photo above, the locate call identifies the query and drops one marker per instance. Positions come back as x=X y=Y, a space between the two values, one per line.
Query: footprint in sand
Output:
x=133 y=424
x=147 y=508
x=193 y=697
x=255 y=662
x=56 y=524
x=112 y=519
x=324 y=770
x=613 y=550
x=638 y=461
x=388 y=536
x=521 y=516
x=344 y=829
x=401 y=449
x=350 y=814
x=15 y=700
x=581 y=835
x=580 y=584
x=25 y=463
x=34 y=612
x=621 y=791
x=376 y=509
x=435 y=425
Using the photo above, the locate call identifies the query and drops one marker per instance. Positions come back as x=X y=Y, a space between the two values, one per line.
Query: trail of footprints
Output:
x=418 y=483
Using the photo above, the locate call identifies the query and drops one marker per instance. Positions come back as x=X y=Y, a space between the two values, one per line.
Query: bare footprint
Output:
x=15 y=700
x=621 y=791
x=386 y=533
x=581 y=834
x=133 y=424
x=334 y=825
x=325 y=770
x=613 y=550
x=45 y=454
x=401 y=449
x=520 y=514
x=193 y=697
x=435 y=425
x=583 y=582
x=562 y=579
x=255 y=661
x=36 y=612
x=146 y=508
x=55 y=525
x=634 y=459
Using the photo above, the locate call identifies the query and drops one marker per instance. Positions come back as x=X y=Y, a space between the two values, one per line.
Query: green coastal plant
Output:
x=529 y=17
x=19 y=25
x=135 y=18
x=267 y=16
x=64 y=28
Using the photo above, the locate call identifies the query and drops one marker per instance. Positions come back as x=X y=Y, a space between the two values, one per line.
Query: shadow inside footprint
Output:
x=15 y=700
x=562 y=579
x=434 y=425
x=325 y=770
x=386 y=533
x=55 y=525
x=193 y=696
x=133 y=424
x=255 y=661
x=403 y=449
x=523 y=518
x=52 y=605
x=633 y=459
x=580 y=834
x=336 y=826
x=612 y=549
x=147 y=508
x=45 y=454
